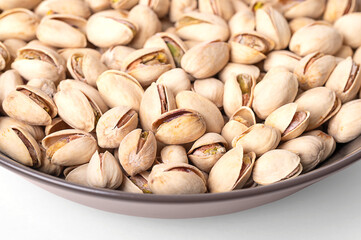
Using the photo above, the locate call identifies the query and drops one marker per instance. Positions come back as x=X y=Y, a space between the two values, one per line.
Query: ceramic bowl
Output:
x=185 y=206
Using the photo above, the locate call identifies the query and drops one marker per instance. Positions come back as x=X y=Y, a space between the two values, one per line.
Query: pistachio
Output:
x=307 y=8
x=5 y=56
x=75 y=7
x=328 y=141
x=57 y=124
x=210 y=88
x=44 y=85
x=98 y=5
x=123 y=4
x=36 y=131
x=298 y=23
x=13 y=45
x=176 y=80
x=281 y=58
x=231 y=130
x=349 y=26
x=344 y=52
x=237 y=69
x=48 y=167
x=136 y=184
x=6 y=4
x=242 y=21
x=78 y=175
x=174 y=154
x=357 y=56
x=222 y=8
x=113 y=58
x=180 y=7
x=160 y=7
x=337 y=8
x=9 y=80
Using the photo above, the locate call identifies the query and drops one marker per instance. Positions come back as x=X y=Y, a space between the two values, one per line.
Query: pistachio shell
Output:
x=210 y=88
x=160 y=7
x=78 y=175
x=57 y=124
x=308 y=8
x=174 y=154
x=337 y=8
x=20 y=145
x=36 y=131
x=113 y=58
x=176 y=178
x=231 y=171
x=344 y=52
x=13 y=45
x=180 y=7
x=222 y=8
x=179 y=126
x=67 y=52
x=349 y=26
x=128 y=186
x=236 y=69
x=176 y=80
x=5 y=56
x=69 y=147
x=244 y=115
x=258 y=138
x=281 y=58
x=345 y=125
x=120 y=89
x=211 y=114
x=9 y=80
x=114 y=125
x=328 y=141
x=123 y=4
x=9 y=4
x=357 y=56
x=275 y=166
x=298 y=23
x=98 y=5
x=48 y=167
x=231 y=130
x=137 y=151
x=242 y=21
x=44 y=85
x=75 y=7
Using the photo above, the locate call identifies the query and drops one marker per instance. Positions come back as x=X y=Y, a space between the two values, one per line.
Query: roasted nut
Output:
x=349 y=26
x=78 y=175
x=281 y=58
x=75 y=7
x=9 y=4
x=160 y=7
x=210 y=88
x=180 y=7
x=44 y=85
x=113 y=58
x=237 y=69
x=36 y=131
x=57 y=124
x=337 y=8
x=176 y=80
x=123 y=4
x=174 y=154
x=242 y=21
x=9 y=80
x=222 y=8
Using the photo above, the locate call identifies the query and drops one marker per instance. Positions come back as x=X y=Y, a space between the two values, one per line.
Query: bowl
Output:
x=185 y=206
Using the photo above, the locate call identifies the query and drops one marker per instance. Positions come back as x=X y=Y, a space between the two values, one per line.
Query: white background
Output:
x=330 y=209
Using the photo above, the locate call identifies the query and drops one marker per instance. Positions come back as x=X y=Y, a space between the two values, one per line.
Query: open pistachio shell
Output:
x=309 y=148
x=75 y=7
x=176 y=178
x=44 y=85
x=114 y=125
x=136 y=184
x=78 y=175
x=137 y=151
x=231 y=130
x=210 y=88
x=349 y=26
x=36 y=131
x=20 y=145
x=104 y=171
x=206 y=151
x=337 y=8
x=157 y=99
x=314 y=69
x=180 y=7
x=62 y=31
x=57 y=124
x=67 y=52
x=281 y=58
x=275 y=166
x=345 y=125
x=208 y=27
x=120 y=89
x=9 y=80
x=222 y=8
x=237 y=69
x=69 y=147
x=179 y=126
x=244 y=115
x=30 y=105
x=321 y=102
x=173 y=154
x=147 y=64
x=176 y=80
x=328 y=141
x=211 y=114
x=289 y=121
x=48 y=167
x=345 y=80
x=77 y=109
x=231 y=171
x=258 y=138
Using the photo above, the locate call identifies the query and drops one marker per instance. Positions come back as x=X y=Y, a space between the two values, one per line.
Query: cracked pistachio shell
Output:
x=272 y=24
x=44 y=85
x=337 y=8
x=137 y=151
x=18 y=23
x=345 y=125
x=321 y=102
x=179 y=126
x=174 y=154
x=136 y=184
x=210 y=88
x=231 y=171
x=298 y=23
x=249 y=47
x=238 y=92
x=289 y=121
x=231 y=130
x=314 y=37
x=349 y=27
x=206 y=59
x=211 y=114
x=172 y=45
x=242 y=21
x=208 y=27
x=13 y=45
x=147 y=64
x=77 y=110
x=357 y=56
x=222 y=8
x=69 y=147
x=307 y=8
x=78 y=175
x=345 y=80
x=113 y=58
x=114 y=125
x=236 y=69
x=258 y=138
x=314 y=69
x=157 y=99
x=328 y=141
x=48 y=167
x=10 y=4
x=57 y=124
x=67 y=52
x=108 y=28
x=30 y=105
x=277 y=88
x=309 y=148
x=36 y=61
x=244 y=115
x=176 y=178
x=88 y=90
x=120 y=89
x=9 y=80
x=206 y=151
x=148 y=24
x=180 y=7
x=176 y=80
x=62 y=31
x=104 y=171
x=85 y=67
x=123 y=4
x=20 y=145
x=344 y=52
x=281 y=58
x=5 y=56
x=75 y=7
x=36 y=131
x=275 y=166
x=160 y=7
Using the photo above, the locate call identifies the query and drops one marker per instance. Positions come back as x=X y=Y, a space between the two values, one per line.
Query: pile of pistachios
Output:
x=178 y=96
